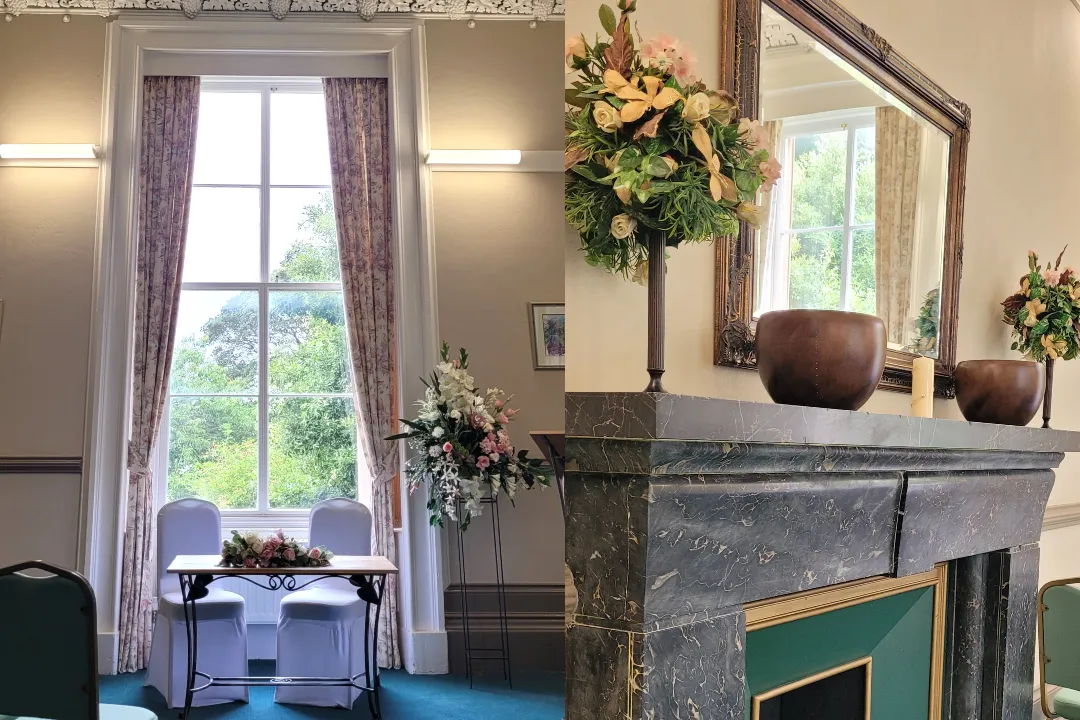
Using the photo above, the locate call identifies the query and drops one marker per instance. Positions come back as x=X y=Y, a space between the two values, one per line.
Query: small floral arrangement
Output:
x=650 y=149
x=461 y=444
x=1045 y=313
x=275 y=551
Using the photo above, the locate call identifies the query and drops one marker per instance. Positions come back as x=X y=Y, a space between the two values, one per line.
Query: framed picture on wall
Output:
x=548 y=322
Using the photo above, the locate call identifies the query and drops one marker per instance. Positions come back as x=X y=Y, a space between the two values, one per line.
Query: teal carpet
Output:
x=404 y=697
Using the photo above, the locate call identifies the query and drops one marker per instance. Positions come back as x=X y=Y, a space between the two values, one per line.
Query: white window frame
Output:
x=148 y=44
x=262 y=518
x=851 y=121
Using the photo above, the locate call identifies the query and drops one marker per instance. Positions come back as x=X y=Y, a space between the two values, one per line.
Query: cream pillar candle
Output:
x=922 y=388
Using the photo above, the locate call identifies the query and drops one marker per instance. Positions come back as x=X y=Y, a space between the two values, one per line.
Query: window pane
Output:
x=214 y=450
x=217 y=343
x=299 y=149
x=228 y=145
x=308 y=350
x=815 y=270
x=818 y=180
x=223 y=236
x=303 y=236
x=863 y=273
x=865 y=174
x=312 y=451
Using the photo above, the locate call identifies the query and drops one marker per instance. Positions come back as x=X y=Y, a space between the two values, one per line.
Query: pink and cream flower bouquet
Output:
x=251 y=550
x=650 y=150
x=461 y=445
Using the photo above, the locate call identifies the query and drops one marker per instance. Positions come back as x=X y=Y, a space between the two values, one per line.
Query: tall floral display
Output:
x=654 y=158
x=461 y=445
x=1045 y=317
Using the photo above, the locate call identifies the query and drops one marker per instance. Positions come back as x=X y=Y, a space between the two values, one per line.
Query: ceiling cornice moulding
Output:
x=366 y=9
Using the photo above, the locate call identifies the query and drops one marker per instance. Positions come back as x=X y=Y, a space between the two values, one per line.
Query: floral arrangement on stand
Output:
x=274 y=551
x=924 y=342
x=654 y=158
x=462 y=447
x=1045 y=313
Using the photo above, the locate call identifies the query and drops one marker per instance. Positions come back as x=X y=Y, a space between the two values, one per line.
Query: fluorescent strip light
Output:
x=474 y=157
x=42 y=151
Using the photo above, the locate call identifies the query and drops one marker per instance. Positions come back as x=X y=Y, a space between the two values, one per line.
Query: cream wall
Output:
x=498 y=246
x=1018 y=66
x=50 y=91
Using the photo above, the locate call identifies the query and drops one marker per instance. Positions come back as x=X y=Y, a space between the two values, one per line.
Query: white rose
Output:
x=623 y=226
x=257 y=547
x=438 y=432
x=697 y=107
x=606 y=117
x=456 y=414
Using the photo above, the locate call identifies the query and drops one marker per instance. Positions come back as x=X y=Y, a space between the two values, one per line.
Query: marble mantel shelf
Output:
x=644 y=416
x=681 y=510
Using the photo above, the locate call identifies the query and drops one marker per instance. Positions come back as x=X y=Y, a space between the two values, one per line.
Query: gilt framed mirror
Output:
x=868 y=213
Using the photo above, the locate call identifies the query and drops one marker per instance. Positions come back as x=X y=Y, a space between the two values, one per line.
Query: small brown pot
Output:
x=1004 y=392
x=820 y=358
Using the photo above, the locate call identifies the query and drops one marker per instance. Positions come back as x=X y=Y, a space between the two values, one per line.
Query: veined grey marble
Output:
x=682 y=509
x=683 y=417
x=948 y=516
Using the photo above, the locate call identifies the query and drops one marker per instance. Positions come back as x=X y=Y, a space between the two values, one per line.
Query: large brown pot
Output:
x=1005 y=392
x=820 y=358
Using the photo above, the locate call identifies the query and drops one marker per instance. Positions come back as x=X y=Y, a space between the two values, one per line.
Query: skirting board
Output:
x=536 y=619
x=1061 y=516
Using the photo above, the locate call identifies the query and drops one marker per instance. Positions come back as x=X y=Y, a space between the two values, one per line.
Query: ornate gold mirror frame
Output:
x=734 y=324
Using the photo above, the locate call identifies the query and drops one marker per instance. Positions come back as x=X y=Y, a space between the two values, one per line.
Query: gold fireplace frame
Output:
x=769 y=695
x=777 y=611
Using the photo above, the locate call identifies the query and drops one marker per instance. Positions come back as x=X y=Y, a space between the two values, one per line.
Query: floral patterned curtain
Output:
x=166 y=167
x=897 y=157
x=357 y=111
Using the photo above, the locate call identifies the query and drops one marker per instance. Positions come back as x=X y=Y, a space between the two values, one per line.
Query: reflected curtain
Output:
x=766 y=246
x=166 y=166
x=357 y=111
x=897 y=157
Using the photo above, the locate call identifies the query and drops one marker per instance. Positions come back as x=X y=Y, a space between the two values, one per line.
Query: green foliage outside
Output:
x=818 y=201
x=213 y=444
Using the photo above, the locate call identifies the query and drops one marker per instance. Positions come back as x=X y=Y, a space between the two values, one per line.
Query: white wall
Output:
x=1018 y=66
x=498 y=246
x=50 y=91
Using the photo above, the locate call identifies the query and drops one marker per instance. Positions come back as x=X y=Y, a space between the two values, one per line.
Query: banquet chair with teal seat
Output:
x=1059 y=648
x=48 y=647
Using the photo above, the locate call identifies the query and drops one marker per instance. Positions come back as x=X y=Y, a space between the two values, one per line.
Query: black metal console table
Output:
x=366 y=573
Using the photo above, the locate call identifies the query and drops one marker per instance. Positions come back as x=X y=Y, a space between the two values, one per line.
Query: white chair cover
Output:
x=193 y=527
x=321 y=629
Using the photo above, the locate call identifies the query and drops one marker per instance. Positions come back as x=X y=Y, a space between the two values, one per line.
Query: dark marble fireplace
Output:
x=686 y=514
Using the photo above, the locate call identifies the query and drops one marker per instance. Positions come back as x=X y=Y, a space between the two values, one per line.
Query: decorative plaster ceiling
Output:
x=777 y=32
x=455 y=9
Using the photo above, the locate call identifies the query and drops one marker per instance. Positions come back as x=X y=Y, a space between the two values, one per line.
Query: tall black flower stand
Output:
x=469 y=619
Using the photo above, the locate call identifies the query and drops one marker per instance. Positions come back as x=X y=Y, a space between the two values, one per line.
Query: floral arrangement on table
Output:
x=1045 y=313
x=650 y=149
x=462 y=447
x=251 y=550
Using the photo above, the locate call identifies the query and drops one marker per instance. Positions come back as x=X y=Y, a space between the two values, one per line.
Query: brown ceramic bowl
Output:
x=820 y=358
x=1005 y=392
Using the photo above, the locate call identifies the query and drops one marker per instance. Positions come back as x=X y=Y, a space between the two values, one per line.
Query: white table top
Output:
x=339 y=565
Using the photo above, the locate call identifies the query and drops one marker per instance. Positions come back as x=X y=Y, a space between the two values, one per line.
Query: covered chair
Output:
x=321 y=629
x=1059 y=648
x=193 y=527
x=48 y=647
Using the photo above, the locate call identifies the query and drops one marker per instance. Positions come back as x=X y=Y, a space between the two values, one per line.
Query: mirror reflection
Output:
x=857 y=222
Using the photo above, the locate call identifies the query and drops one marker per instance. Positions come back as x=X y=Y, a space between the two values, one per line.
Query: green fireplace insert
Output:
x=869 y=650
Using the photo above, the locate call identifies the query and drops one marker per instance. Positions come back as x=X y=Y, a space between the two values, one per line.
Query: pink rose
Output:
x=575 y=48
x=266 y=555
x=494 y=457
x=1051 y=276
x=289 y=554
x=482 y=462
x=503 y=418
x=314 y=553
x=447 y=448
x=499 y=404
x=1031 y=253
x=510 y=412
x=249 y=562
x=771 y=170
